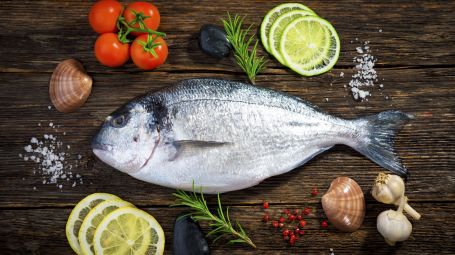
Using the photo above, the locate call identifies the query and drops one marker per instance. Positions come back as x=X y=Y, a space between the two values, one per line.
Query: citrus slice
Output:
x=273 y=14
x=128 y=230
x=310 y=46
x=93 y=219
x=276 y=30
x=78 y=214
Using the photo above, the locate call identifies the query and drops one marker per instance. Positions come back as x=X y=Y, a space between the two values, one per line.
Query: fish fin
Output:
x=382 y=129
x=185 y=147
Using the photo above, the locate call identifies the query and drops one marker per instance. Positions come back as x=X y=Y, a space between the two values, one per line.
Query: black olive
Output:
x=188 y=237
x=213 y=41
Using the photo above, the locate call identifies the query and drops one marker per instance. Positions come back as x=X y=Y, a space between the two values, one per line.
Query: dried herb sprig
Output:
x=246 y=58
x=220 y=223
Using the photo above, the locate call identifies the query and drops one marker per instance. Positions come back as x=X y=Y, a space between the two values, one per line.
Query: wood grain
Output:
x=415 y=34
x=415 y=61
x=30 y=231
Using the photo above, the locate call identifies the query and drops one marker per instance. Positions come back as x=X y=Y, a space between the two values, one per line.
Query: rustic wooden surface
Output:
x=416 y=64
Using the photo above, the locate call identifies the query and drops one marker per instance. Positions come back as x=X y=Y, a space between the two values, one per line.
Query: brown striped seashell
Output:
x=344 y=204
x=70 y=86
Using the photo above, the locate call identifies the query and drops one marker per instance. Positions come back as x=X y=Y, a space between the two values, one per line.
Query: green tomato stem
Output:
x=122 y=34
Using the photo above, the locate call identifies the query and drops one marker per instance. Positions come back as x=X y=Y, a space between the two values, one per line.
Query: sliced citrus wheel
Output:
x=276 y=30
x=273 y=14
x=93 y=219
x=128 y=230
x=310 y=46
x=78 y=214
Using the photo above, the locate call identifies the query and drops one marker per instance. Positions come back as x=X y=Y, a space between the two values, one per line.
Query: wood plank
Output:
x=415 y=53
x=30 y=232
x=426 y=145
x=50 y=32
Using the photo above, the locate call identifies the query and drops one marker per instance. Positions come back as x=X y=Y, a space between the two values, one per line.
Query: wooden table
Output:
x=414 y=46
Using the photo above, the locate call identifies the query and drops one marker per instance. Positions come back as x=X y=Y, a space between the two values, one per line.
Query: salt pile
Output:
x=53 y=162
x=366 y=75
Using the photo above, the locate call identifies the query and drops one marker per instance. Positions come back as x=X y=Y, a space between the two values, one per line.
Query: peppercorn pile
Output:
x=291 y=223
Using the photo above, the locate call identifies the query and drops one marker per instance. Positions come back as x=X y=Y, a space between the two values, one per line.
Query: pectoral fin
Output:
x=194 y=147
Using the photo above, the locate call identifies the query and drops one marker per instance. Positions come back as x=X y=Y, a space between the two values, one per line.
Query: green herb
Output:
x=220 y=223
x=247 y=59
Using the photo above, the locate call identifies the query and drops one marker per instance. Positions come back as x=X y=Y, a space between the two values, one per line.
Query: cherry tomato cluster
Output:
x=136 y=24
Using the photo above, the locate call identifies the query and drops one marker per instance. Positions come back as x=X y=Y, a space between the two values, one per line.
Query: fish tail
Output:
x=378 y=143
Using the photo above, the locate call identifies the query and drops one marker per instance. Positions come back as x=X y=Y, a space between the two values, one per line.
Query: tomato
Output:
x=146 y=60
x=103 y=16
x=135 y=13
x=110 y=51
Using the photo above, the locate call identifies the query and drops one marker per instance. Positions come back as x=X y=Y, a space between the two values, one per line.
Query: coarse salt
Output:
x=366 y=74
x=50 y=158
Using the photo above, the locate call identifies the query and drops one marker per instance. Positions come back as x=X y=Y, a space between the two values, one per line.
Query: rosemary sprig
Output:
x=220 y=223
x=247 y=59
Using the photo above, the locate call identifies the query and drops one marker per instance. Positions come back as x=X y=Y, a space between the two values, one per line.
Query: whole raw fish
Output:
x=226 y=136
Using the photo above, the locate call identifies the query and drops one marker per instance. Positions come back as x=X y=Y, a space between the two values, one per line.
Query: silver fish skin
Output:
x=225 y=136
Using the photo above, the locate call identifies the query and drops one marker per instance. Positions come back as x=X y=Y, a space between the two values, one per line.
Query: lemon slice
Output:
x=273 y=14
x=78 y=214
x=93 y=219
x=128 y=230
x=310 y=45
x=276 y=30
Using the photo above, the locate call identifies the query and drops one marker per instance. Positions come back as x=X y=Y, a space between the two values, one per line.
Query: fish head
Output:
x=127 y=138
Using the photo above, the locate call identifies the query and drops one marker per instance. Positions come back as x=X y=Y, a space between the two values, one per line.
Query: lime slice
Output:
x=128 y=230
x=93 y=219
x=310 y=46
x=273 y=14
x=78 y=214
x=276 y=30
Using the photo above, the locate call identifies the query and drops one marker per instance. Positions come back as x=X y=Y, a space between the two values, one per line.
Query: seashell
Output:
x=344 y=204
x=70 y=86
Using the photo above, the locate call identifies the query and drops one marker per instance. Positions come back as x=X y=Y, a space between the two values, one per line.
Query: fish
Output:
x=223 y=135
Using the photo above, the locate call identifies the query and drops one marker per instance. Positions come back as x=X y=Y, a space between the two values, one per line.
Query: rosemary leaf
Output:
x=245 y=54
x=220 y=223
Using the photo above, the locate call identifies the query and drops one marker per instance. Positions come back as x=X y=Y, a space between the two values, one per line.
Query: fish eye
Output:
x=119 y=121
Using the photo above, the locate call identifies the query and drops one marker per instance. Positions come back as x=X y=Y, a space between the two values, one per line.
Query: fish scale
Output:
x=225 y=136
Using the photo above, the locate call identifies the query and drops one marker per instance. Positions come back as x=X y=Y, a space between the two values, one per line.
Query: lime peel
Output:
x=273 y=14
x=305 y=38
x=278 y=27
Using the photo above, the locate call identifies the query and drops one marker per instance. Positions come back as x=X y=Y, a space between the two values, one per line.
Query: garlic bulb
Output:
x=389 y=189
x=393 y=225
